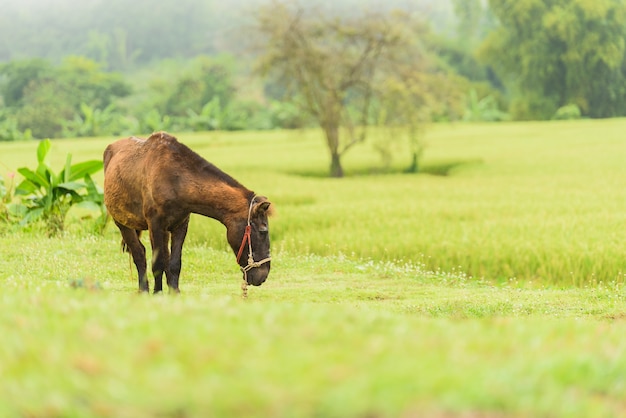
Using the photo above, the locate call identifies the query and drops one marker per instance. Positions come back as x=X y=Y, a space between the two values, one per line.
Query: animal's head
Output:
x=257 y=268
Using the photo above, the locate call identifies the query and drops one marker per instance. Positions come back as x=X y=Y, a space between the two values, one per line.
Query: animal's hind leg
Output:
x=125 y=247
x=138 y=252
x=178 y=238
x=160 y=254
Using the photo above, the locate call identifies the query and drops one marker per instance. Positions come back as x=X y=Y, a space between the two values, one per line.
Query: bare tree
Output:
x=338 y=70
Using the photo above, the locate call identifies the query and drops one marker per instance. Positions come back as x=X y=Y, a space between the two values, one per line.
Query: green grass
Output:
x=493 y=290
x=325 y=336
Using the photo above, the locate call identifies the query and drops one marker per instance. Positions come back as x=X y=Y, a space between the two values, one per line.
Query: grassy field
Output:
x=493 y=290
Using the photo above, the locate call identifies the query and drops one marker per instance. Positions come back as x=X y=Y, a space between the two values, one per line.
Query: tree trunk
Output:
x=414 y=166
x=416 y=148
x=335 y=165
x=332 y=139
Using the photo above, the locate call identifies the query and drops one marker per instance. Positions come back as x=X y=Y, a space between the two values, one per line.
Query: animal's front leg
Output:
x=178 y=238
x=160 y=256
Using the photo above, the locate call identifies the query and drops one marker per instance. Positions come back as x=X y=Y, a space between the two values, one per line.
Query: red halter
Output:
x=246 y=237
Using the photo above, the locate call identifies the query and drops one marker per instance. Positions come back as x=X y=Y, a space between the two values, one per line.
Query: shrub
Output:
x=6 y=196
x=568 y=112
x=48 y=196
x=97 y=122
x=41 y=97
x=9 y=131
x=485 y=109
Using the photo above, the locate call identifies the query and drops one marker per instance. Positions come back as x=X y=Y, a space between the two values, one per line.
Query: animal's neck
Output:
x=220 y=200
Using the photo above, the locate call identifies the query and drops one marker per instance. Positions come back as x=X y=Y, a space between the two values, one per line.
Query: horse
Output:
x=155 y=184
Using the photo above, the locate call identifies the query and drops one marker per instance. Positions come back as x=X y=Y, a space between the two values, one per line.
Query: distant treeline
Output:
x=77 y=98
x=109 y=67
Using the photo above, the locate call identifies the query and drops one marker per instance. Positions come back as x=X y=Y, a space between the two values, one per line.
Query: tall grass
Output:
x=541 y=202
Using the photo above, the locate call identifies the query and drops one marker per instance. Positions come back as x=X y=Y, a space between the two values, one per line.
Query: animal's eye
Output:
x=263 y=228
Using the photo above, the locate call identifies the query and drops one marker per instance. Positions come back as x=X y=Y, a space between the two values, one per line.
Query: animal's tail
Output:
x=106 y=157
x=125 y=246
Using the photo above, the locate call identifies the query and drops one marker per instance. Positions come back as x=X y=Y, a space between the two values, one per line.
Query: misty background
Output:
x=126 y=34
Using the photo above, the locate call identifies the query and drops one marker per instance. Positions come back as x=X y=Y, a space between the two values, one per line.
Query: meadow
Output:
x=489 y=285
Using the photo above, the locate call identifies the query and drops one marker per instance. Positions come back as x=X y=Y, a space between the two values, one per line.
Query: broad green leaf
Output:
x=68 y=168
x=36 y=178
x=94 y=193
x=91 y=185
x=17 y=210
x=80 y=170
x=48 y=202
x=87 y=111
x=32 y=215
x=25 y=188
x=42 y=150
x=71 y=185
x=45 y=173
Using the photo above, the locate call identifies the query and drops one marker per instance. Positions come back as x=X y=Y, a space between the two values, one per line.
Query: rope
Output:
x=251 y=263
x=130 y=267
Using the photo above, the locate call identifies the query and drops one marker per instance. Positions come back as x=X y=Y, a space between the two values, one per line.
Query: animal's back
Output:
x=143 y=177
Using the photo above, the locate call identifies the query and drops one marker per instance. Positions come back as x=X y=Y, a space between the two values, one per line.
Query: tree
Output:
x=337 y=69
x=555 y=53
x=470 y=15
x=42 y=97
x=16 y=77
x=209 y=80
x=409 y=103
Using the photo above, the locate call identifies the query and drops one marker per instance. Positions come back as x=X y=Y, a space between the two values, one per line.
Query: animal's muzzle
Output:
x=255 y=274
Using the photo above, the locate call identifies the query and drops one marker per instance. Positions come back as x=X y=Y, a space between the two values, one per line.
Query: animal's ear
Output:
x=263 y=206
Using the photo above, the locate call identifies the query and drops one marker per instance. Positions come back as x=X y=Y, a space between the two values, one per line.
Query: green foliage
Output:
x=49 y=196
x=340 y=72
x=471 y=16
x=246 y=115
x=93 y=201
x=208 y=80
x=97 y=122
x=484 y=109
x=461 y=60
x=408 y=103
x=153 y=121
x=287 y=115
x=200 y=97
x=551 y=54
x=9 y=130
x=568 y=112
x=43 y=98
x=93 y=85
x=18 y=75
x=45 y=105
x=77 y=100
x=6 y=197
x=210 y=118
